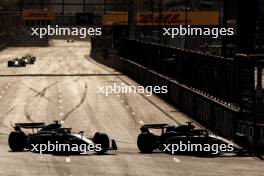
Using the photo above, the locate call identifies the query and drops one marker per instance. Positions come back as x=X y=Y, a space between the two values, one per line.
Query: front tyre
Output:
x=17 y=141
x=103 y=140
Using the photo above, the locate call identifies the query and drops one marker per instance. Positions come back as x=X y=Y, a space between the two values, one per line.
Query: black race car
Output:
x=16 y=63
x=54 y=134
x=29 y=59
x=183 y=139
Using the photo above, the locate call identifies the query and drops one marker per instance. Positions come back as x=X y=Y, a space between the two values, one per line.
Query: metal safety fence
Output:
x=213 y=75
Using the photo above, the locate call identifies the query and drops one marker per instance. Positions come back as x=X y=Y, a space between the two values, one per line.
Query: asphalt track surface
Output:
x=62 y=85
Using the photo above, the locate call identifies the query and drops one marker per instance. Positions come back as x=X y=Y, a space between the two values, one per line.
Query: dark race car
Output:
x=28 y=59
x=54 y=136
x=16 y=63
x=183 y=139
x=70 y=41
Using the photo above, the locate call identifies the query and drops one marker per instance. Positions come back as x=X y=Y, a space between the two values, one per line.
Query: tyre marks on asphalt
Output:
x=38 y=95
x=84 y=95
x=3 y=124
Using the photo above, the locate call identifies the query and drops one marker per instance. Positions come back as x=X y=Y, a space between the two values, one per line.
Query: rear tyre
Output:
x=9 y=64
x=17 y=141
x=103 y=140
x=241 y=140
x=146 y=142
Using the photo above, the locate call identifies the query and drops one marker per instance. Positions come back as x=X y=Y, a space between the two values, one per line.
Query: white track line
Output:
x=68 y=159
x=176 y=160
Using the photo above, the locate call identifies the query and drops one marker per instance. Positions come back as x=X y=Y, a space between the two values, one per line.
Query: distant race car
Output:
x=54 y=134
x=70 y=40
x=29 y=59
x=16 y=63
x=186 y=134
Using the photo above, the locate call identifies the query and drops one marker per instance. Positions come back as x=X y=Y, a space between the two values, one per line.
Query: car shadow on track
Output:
x=201 y=155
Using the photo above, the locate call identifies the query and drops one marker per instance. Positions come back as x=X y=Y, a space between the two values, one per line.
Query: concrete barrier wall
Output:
x=3 y=40
x=3 y=34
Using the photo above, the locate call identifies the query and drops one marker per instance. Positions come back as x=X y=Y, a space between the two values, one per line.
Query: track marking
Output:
x=176 y=160
x=68 y=159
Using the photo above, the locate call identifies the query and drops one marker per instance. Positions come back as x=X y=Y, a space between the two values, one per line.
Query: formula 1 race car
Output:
x=70 y=40
x=29 y=59
x=173 y=139
x=16 y=63
x=54 y=134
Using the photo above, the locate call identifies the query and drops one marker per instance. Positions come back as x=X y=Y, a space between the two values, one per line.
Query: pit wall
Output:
x=217 y=116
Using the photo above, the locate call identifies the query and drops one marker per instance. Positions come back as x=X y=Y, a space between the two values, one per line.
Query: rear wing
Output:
x=30 y=125
x=156 y=126
x=145 y=128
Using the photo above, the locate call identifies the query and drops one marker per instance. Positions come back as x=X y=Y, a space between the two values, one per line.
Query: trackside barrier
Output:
x=208 y=73
x=221 y=117
x=3 y=40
